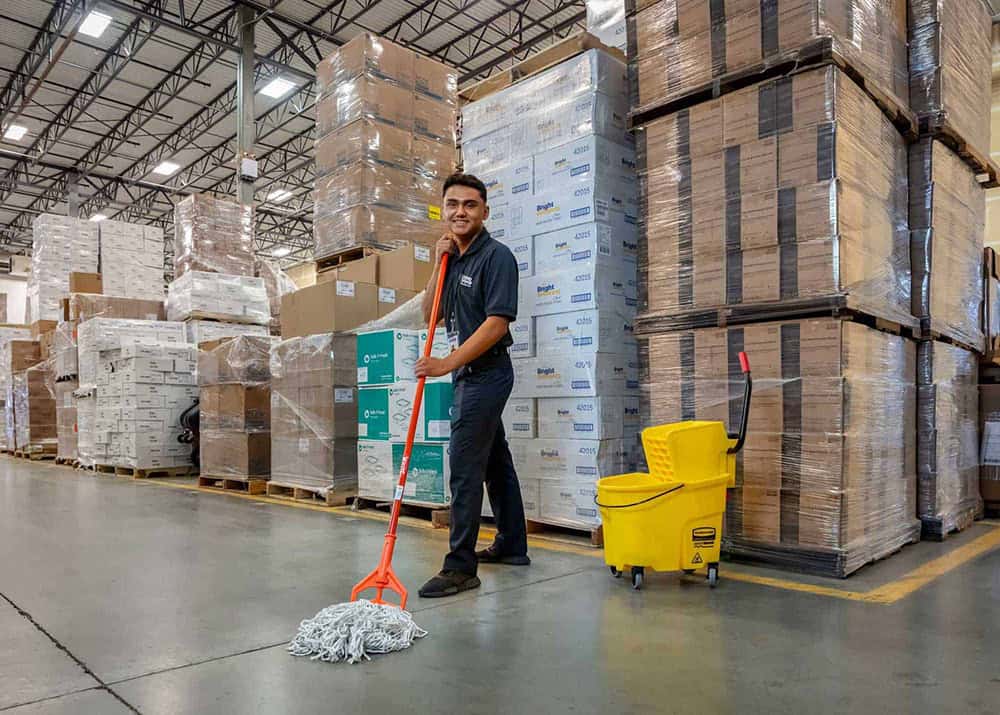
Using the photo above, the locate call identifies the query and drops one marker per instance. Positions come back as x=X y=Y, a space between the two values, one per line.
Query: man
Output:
x=478 y=304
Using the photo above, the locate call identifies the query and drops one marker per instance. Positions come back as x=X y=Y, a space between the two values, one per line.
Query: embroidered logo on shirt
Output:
x=466 y=281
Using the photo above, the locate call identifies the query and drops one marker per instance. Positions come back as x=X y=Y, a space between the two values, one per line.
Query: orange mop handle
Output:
x=383 y=578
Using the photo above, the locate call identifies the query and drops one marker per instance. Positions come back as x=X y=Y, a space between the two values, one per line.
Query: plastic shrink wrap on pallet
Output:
x=213 y=234
x=314 y=413
x=34 y=410
x=788 y=190
x=60 y=245
x=947 y=438
x=7 y=407
x=826 y=481
x=218 y=296
x=679 y=48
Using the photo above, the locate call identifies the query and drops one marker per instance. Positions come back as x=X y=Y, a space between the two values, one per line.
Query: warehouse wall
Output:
x=16 y=290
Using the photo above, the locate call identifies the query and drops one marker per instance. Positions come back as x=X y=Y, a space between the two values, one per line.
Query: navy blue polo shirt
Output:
x=480 y=283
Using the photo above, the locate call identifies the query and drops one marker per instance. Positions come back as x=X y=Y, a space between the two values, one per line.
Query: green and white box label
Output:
x=386 y=357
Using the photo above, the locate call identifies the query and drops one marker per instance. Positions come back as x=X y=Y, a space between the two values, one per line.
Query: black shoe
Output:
x=490 y=555
x=448 y=583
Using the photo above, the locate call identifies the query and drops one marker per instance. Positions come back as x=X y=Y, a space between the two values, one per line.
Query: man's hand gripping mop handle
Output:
x=383 y=578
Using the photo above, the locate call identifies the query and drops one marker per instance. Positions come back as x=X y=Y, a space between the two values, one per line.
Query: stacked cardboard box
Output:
x=214 y=235
x=17 y=354
x=7 y=362
x=199 y=331
x=141 y=395
x=606 y=21
x=678 y=48
x=60 y=246
x=131 y=260
x=947 y=223
x=34 y=411
x=950 y=60
x=790 y=189
x=218 y=296
x=560 y=175
x=947 y=438
x=826 y=479
x=385 y=119
x=276 y=284
x=234 y=377
x=386 y=387
x=989 y=456
x=314 y=414
x=108 y=406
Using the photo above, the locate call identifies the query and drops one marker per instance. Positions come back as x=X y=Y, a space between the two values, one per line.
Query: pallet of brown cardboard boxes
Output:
x=791 y=210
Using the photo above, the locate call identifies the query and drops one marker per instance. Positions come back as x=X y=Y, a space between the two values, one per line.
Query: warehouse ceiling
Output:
x=103 y=109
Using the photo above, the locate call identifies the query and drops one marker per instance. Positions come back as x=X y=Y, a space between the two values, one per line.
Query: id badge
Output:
x=453 y=340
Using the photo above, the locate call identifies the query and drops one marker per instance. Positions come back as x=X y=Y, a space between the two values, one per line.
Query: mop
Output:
x=354 y=631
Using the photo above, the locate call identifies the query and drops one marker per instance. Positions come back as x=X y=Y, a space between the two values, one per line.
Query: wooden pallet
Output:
x=930 y=330
x=841 y=307
x=231 y=483
x=550 y=528
x=159 y=472
x=439 y=515
x=103 y=468
x=538 y=62
x=346 y=255
x=217 y=317
x=939 y=126
x=312 y=495
x=814 y=54
x=991 y=509
x=68 y=461
x=35 y=454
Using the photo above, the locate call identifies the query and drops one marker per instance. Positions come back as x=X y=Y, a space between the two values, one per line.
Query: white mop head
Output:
x=353 y=631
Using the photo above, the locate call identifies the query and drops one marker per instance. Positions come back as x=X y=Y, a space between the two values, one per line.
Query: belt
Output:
x=496 y=356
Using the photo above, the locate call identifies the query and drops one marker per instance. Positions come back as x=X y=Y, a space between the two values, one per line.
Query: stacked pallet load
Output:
x=16 y=356
x=559 y=167
x=314 y=419
x=7 y=333
x=950 y=59
x=276 y=284
x=131 y=260
x=385 y=121
x=234 y=380
x=75 y=309
x=60 y=245
x=137 y=377
x=386 y=387
x=215 y=291
x=773 y=166
x=35 y=435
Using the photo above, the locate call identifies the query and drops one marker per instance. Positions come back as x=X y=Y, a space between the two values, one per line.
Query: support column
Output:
x=245 y=127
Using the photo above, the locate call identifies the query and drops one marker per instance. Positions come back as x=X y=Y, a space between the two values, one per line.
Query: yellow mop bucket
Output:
x=671 y=519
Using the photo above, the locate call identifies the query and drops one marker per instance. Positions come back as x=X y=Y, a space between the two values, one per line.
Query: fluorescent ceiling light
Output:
x=281 y=252
x=166 y=168
x=98 y=217
x=15 y=132
x=279 y=195
x=277 y=87
x=95 y=24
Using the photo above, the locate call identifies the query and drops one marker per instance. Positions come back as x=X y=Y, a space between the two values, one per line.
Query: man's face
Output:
x=464 y=211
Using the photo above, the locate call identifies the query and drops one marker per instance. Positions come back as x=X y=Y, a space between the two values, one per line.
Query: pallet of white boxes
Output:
x=559 y=166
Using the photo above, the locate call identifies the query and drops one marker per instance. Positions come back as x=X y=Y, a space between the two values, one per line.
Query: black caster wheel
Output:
x=713 y=575
x=615 y=572
x=637 y=574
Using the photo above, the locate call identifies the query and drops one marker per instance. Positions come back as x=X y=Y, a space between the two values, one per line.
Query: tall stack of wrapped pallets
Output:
x=7 y=333
x=772 y=147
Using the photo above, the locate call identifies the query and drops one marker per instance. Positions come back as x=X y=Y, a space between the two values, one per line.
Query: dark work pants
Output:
x=479 y=454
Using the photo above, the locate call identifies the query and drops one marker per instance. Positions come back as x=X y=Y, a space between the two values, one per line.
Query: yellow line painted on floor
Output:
x=886 y=594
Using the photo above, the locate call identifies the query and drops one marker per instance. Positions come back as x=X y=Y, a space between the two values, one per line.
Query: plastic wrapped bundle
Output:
x=678 y=48
x=213 y=234
x=217 y=296
x=950 y=59
x=790 y=190
x=84 y=306
x=373 y=226
x=376 y=185
x=369 y=55
x=365 y=141
x=947 y=224
x=6 y=335
x=583 y=96
x=244 y=359
x=131 y=260
x=60 y=246
x=86 y=421
x=947 y=438
x=276 y=284
x=826 y=481
x=314 y=413
x=66 y=417
x=606 y=21
x=104 y=334
x=34 y=411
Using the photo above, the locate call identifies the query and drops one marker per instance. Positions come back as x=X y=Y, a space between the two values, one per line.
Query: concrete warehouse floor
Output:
x=124 y=596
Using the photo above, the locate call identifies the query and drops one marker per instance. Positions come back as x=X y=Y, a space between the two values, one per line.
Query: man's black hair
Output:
x=460 y=179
